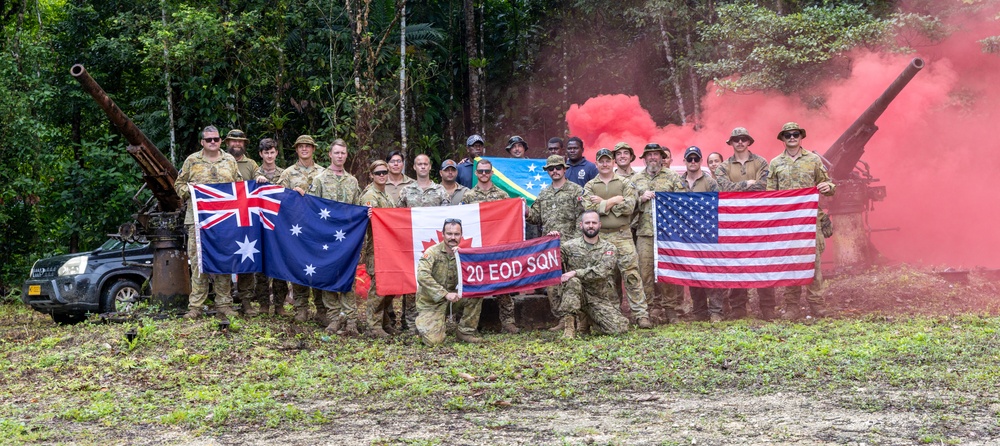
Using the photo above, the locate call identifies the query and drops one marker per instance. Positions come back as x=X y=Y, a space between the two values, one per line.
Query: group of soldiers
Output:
x=601 y=211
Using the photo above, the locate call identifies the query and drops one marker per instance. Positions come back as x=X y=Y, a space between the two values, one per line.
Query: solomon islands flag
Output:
x=519 y=177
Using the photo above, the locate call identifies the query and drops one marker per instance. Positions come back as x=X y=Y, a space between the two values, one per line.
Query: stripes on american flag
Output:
x=736 y=239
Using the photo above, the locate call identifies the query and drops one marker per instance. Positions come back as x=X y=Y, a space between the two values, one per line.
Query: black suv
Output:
x=68 y=287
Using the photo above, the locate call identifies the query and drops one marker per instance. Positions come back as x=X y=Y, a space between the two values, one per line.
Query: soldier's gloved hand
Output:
x=567 y=276
x=452 y=297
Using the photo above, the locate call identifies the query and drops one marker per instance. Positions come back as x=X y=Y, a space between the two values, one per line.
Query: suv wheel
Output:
x=121 y=296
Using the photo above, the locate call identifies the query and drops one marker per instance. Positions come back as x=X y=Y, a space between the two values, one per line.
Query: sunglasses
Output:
x=741 y=139
x=795 y=135
x=379 y=173
x=451 y=221
x=551 y=168
x=483 y=172
x=216 y=139
x=693 y=159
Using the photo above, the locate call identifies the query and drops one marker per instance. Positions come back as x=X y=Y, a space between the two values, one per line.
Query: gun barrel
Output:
x=158 y=172
x=847 y=150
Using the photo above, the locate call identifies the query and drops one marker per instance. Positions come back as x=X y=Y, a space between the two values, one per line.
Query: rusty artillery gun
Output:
x=160 y=220
x=856 y=194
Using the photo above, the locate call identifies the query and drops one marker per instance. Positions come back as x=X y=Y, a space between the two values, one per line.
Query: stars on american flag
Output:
x=688 y=217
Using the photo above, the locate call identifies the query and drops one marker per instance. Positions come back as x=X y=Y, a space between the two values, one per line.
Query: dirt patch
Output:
x=904 y=290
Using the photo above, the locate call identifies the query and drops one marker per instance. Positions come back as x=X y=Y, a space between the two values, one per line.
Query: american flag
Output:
x=736 y=239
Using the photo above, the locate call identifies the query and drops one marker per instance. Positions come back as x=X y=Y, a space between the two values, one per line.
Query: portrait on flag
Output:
x=509 y=268
x=736 y=239
x=401 y=235
x=244 y=227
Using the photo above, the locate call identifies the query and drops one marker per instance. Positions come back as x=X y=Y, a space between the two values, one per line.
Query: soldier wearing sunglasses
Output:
x=797 y=168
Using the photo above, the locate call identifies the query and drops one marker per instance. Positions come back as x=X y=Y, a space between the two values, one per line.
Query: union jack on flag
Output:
x=216 y=203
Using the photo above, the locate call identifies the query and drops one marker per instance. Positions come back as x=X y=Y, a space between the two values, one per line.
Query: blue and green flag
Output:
x=519 y=177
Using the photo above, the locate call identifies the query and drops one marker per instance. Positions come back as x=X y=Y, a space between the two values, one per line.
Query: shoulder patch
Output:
x=609 y=253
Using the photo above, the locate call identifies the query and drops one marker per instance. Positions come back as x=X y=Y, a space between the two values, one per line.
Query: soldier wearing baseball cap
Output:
x=742 y=172
x=454 y=190
x=614 y=199
x=475 y=147
x=797 y=168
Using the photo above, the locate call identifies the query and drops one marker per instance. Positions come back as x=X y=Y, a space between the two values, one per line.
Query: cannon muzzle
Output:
x=157 y=171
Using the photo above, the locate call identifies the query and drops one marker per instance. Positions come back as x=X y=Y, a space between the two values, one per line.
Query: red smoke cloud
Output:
x=935 y=150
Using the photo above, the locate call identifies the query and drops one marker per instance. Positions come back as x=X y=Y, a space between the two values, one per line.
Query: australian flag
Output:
x=244 y=228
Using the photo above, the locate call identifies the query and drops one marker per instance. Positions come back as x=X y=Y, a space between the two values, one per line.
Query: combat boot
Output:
x=469 y=338
x=737 y=314
x=226 y=311
x=378 y=333
x=560 y=326
x=192 y=314
x=301 y=314
x=644 y=323
x=792 y=313
x=767 y=313
x=569 y=326
x=279 y=310
x=320 y=317
x=350 y=329
x=509 y=327
x=248 y=310
x=582 y=323
x=672 y=317
x=715 y=318
x=336 y=325
x=265 y=308
x=818 y=311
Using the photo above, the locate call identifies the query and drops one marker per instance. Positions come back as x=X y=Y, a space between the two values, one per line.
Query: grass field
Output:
x=883 y=380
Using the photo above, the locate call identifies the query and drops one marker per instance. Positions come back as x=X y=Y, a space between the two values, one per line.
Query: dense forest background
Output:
x=383 y=74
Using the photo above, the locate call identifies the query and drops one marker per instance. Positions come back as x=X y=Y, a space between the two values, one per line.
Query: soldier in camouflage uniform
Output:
x=208 y=166
x=268 y=172
x=664 y=299
x=235 y=143
x=397 y=178
x=335 y=183
x=374 y=196
x=421 y=193
x=589 y=263
x=449 y=175
x=797 y=168
x=614 y=199
x=557 y=209
x=744 y=172
x=437 y=280
x=299 y=177
x=485 y=191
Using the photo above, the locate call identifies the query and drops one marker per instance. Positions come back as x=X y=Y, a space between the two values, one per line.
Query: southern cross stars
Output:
x=340 y=235
x=296 y=229
x=310 y=270
x=324 y=214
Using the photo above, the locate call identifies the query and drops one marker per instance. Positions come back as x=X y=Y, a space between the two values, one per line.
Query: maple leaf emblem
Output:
x=465 y=243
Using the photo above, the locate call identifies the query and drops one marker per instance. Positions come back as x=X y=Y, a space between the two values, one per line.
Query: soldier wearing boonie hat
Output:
x=517 y=146
x=797 y=168
x=235 y=142
x=624 y=155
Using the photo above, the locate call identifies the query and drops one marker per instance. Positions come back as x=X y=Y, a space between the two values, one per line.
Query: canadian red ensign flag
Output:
x=402 y=234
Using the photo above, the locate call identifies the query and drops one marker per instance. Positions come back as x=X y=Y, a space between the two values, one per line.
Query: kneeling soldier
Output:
x=437 y=281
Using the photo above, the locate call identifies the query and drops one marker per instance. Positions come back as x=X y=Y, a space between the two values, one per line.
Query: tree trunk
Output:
x=76 y=138
x=673 y=72
x=695 y=94
x=170 y=91
x=402 y=74
x=471 y=54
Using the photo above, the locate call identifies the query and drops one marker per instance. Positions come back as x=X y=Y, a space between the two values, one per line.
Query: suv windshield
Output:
x=113 y=245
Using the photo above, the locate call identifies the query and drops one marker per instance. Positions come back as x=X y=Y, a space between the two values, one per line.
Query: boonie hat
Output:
x=514 y=140
x=555 y=160
x=304 y=139
x=449 y=163
x=624 y=146
x=654 y=147
x=474 y=139
x=791 y=126
x=740 y=131
x=236 y=135
x=604 y=152
x=693 y=149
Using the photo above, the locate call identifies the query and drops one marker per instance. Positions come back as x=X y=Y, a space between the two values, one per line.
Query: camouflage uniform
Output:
x=805 y=170
x=705 y=301
x=616 y=228
x=395 y=189
x=376 y=306
x=300 y=176
x=733 y=175
x=661 y=297
x=437 y=276
x=412 y=196
x=343 y=188
x=457 y=196
x=262 y=283
x=245 y=283
x=558 y=210
x=505 y=302
x=196 y=169
x=592 y=290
